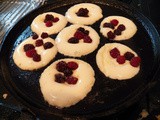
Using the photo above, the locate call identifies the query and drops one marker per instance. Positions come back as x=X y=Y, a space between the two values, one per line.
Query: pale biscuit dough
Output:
x=63 y=94
x=26 y=63
x=130 y=30
x=38 y=26
x=95 y=13
x=110 y=67
x=76 y=50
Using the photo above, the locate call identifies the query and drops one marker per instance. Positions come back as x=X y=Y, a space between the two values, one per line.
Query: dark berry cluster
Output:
x=83 y=12
x=50 y=19
x=31 y=52
x=80 y=33
x=113 y=23
x=66 y=71
x=134 y=61
x=29 y=49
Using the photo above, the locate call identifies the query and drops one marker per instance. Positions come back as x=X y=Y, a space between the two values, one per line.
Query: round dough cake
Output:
x=63 y=95
x=38 y=25
x=125 y=34
x=79 y=49
x=110 y=67
x=94 y=14
x=27 y=63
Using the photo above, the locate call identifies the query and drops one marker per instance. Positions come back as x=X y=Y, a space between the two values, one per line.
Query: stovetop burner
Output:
x=146 y=109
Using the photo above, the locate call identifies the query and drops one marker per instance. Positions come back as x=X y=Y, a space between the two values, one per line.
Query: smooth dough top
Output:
x=76 y=50
x=38 y=26
x=95 y=13
x=26 y=63
x=110 y=67
x=63 y=94
x=130 y=30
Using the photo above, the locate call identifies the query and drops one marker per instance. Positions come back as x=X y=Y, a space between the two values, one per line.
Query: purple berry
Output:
x=47 y=45
x=34 y=36
x=67 y=72
x=44 y=35
x=128 y=55
x=61 y=66
x=83 y=12
x=28 y=47
x=111 y=35
x=73 y=40
x=109 y=25
x=71 y=80
x=36 y=58
x=39 y=42
x=59 y=78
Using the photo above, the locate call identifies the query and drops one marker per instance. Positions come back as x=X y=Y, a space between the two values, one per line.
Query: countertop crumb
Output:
x=5 y=95
x=143 y=114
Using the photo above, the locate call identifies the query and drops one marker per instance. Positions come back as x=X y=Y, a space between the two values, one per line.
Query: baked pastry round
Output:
x=61 y=89
x=33 y=54
x=118 y=28
x=118 y=61
x=49 y=22
x=84 y=13
x=77 y=40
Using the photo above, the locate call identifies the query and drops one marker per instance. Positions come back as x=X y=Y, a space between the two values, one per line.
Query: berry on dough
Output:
x=84 y=14
x=118 y=61
x=49 y=22
x=66 y=82
x=117 y=28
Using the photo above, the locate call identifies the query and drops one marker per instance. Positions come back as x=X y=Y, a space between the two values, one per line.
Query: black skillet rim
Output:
x=140 y=16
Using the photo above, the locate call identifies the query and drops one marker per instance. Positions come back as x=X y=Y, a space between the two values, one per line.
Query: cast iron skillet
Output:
x=107 y=96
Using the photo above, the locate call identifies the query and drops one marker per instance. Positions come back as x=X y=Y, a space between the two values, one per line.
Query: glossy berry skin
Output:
x=73 y=40
x=72 y=65
x=60 y=78
x=87 y=39
x=49 y=24
x=79 y=35
x=48 y=45
x=86 y=32
x=121 y=27
x=117 y=32
x=48 y=17
x=67 y=72
x=114 y=53
x=28 y=47
x=61 y=66
x=34 y=36
x=109 y=25
x=114 y=22
x=39 y=42
x=111 y=35
x=44 y=35
x=135 y=61
x=121 y=59
x=71 y=80
x=36 y=58
x=128 y=55
x=31 y=53
x=83 y=12
x=56 y=19
x=81 y=29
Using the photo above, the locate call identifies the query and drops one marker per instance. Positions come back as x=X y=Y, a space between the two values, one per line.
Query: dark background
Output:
x=151 y=101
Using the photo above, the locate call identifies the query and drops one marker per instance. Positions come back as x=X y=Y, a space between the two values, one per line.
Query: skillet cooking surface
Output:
x=107 y=96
